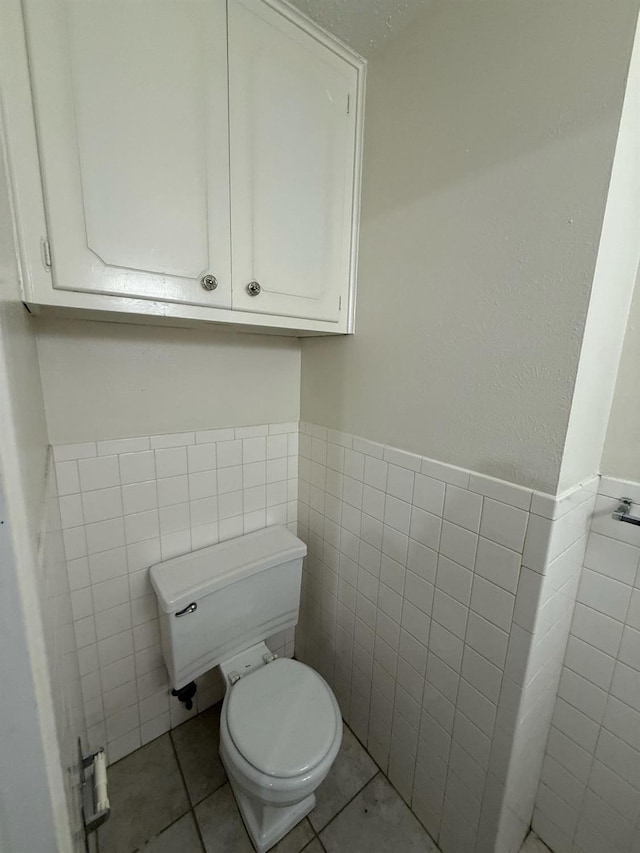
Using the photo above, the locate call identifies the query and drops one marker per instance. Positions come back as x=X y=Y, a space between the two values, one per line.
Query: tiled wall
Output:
x=61 y=649
x=538 y=641
x=430 y=597
x=127 y=504
x=589 y=795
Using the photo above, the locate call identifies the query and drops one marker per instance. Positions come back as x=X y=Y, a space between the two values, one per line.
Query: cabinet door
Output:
x=132 y=119
x=292 y=121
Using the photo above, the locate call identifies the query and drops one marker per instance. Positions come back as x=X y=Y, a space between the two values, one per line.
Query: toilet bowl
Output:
x=280 y=731
x=280 y=727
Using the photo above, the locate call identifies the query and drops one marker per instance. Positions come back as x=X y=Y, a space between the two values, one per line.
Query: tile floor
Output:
x=172 y=796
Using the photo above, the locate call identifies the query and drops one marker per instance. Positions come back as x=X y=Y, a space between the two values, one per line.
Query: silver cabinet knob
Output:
x=253 y=288
x=209 y=282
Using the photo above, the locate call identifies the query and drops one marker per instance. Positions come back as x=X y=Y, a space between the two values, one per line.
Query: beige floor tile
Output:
x=351 y=771
x=376 y=821
x=196 y=743
x=221 y=825
x=296 y=840
x=180 y=837
x=147 y=794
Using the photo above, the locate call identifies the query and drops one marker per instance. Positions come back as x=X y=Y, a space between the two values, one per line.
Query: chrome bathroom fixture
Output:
x=623 y=512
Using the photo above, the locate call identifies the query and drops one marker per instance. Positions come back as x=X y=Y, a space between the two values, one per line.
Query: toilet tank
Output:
x=218 y=601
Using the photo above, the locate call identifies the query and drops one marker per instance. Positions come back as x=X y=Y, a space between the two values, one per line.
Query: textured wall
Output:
x=489 y=139
x=106 y=380
x=621 y=456
x=363 y=24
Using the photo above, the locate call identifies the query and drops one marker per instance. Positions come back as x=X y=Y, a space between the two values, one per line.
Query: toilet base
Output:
x=265 y=824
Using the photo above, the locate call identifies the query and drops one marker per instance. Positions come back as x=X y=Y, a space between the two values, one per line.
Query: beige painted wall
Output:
x=490 y=133
x=108 y=380
x=611 y=295
x=621 y=457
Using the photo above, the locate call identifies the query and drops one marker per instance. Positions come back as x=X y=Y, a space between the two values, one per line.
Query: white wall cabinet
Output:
x=183 y=144
x=292 y=166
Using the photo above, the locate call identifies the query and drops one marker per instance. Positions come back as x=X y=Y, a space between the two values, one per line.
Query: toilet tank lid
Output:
x=185 y=579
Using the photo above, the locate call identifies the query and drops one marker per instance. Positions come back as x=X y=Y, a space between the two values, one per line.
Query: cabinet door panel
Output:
x=292 y=133
x=131 y=106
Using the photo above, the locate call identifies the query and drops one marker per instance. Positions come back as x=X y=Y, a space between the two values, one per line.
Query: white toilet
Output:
x=280 y=727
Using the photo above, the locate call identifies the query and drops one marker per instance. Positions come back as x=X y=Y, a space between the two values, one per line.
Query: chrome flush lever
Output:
x=190 y=608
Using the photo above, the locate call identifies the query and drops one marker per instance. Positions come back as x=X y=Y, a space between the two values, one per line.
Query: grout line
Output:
x=186 y=788
x=348 y=803
x=162 y=831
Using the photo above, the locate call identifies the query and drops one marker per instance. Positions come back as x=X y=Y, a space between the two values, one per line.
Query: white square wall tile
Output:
x=498 y=564
x=428 y=494
x=106 y=565
x=425 y=528
x=422 y=560
x=139 y=497
x=582 y=693
x=137 y=467
x=173 y=490
x=493 y=603
x=254 y=449
x=623 y=721
x=596 y=628
x=203 y=484
x=75 y=543
x=397 y=513
x=201 y=457
x=589 y=662
x=102 y=504
x=104 y=535
x=527 y=599
x=458 y=544
x=503 y=524
x=450 y=613
x=537 y=545
x=625 y=684
x=463 y=508
x=487 y=639
x=277 y=446
x=171 y=461
x=375 y=470
x=604 y=594
x=141 y=525
x=454 y=579
x=71 y=514
x=612 y=558
x=67 y=477
x=400 y=483
x=110 y=594
x=99 y=473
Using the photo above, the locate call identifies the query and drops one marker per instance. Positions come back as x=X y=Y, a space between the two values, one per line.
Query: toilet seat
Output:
x=282 y=719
